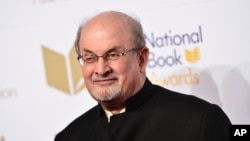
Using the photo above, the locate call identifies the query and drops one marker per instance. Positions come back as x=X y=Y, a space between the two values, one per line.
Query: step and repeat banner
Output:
x=198 y=47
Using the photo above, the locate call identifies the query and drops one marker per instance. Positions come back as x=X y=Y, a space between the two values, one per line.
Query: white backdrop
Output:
x=198 y=47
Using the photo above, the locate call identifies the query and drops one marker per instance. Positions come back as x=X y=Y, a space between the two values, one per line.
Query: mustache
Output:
x=101 y=77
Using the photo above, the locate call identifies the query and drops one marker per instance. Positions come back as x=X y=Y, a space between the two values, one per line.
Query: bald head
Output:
x=111 y=17
x=116 y=21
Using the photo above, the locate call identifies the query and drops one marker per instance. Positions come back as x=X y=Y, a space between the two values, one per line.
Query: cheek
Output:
x=120 y=70
x=87 y=72
x=126 y=70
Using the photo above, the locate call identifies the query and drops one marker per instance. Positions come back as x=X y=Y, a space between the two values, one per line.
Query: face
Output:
x=108 y=80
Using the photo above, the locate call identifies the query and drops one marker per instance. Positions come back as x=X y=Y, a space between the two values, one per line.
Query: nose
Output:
x=102 y=67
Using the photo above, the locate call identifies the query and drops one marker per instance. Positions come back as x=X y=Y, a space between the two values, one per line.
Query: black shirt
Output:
x=153 y=114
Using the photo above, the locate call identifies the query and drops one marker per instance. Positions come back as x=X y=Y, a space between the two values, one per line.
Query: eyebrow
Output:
x=109 y=50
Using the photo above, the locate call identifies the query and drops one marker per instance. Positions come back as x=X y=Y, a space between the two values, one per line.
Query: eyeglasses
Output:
x=92 y=58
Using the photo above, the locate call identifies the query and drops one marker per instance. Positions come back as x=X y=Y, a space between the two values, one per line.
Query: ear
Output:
x=143 y=58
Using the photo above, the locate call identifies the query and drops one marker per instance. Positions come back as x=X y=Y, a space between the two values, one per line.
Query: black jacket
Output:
x=153 y=114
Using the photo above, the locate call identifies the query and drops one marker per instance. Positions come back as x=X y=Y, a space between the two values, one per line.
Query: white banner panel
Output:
x=197 y=47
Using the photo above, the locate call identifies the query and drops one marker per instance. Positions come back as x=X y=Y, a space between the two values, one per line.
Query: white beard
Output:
x=106 y=93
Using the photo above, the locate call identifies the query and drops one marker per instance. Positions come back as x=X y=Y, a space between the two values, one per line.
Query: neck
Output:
x=117 y=104
x=113 y=107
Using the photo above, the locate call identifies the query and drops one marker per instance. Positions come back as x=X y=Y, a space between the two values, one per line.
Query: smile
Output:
x=104 y=81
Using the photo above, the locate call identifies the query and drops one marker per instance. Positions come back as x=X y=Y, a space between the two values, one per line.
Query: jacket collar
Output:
x=140 y=97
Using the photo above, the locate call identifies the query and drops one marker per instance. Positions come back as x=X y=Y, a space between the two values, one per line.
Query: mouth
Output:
x=105 y=81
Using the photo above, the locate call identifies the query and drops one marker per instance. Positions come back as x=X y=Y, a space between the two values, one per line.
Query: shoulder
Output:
x=177 y=98
x=82 y=123
x=188 y=105
x=209 y=117
x=183 y=103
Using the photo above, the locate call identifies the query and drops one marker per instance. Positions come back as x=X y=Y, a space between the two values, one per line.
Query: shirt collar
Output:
x=109 y=114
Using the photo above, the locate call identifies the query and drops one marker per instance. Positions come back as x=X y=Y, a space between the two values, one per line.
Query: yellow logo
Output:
x=62 y=73
x=193 y=56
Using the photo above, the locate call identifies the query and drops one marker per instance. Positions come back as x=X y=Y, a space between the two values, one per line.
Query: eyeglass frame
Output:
x=105 y=56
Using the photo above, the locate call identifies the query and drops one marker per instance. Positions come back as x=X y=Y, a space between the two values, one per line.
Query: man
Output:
x=113 y=58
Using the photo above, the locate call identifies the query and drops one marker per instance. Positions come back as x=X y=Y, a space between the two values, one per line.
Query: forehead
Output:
x=102 y=35
x=109 y=50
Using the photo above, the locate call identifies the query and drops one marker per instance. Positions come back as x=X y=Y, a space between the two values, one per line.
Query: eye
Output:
x=89 y=58
x=113 y=55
